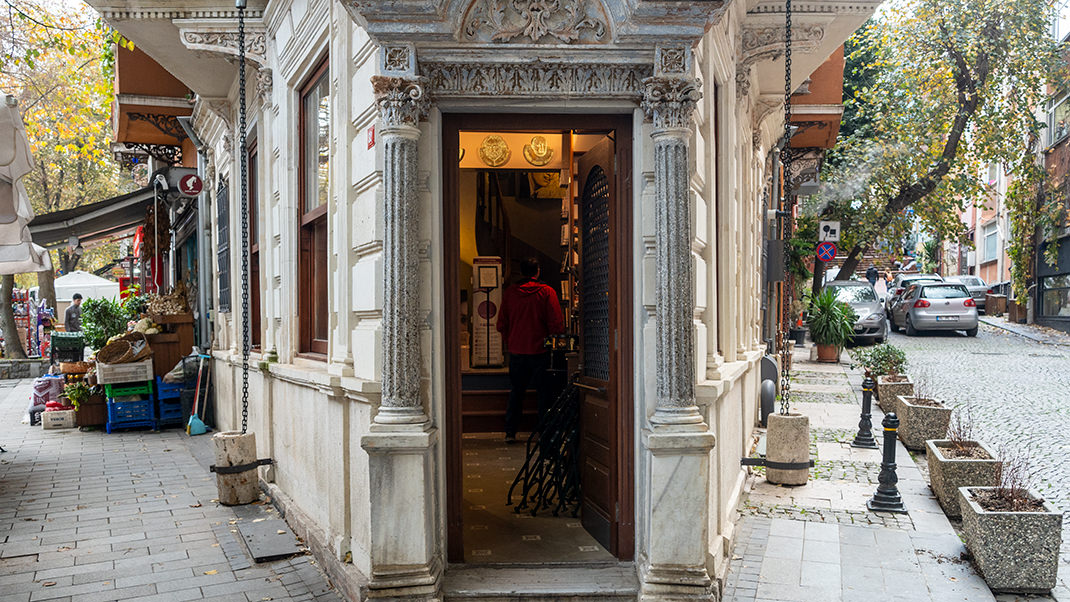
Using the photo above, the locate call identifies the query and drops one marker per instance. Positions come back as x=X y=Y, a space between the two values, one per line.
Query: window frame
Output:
x=252 y=157
x=1044 y=289
x=1058 y=100
x=308 y=223
x=987 y=230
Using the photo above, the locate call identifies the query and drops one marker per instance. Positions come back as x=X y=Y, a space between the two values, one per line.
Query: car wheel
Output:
x=911 y=331
x=972 y=332
x=892 y=325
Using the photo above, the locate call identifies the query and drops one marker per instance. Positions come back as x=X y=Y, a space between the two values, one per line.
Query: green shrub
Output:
x=881 y=360
x=831 y=321
x=101 y=320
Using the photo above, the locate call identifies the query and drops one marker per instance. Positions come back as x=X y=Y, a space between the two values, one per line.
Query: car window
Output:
x=949 y=291
x=910 y=291
x=854 y=294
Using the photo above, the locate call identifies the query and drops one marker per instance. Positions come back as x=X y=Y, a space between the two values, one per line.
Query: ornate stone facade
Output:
x=535 y=80
x=213 y=39
x=536 y=22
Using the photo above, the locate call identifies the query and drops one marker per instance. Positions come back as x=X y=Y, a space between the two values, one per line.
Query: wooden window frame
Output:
x=308 y=221
x=252 y=158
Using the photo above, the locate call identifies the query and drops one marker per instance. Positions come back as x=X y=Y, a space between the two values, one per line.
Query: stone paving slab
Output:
x=130 y=516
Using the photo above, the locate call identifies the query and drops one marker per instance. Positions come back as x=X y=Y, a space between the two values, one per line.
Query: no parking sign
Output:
x=826 y=251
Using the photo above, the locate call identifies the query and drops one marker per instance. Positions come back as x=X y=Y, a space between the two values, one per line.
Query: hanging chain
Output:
x=244 y=200
x=786 y=230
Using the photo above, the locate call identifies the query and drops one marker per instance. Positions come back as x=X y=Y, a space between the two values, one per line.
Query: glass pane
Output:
x=990 y=245
x=317 y=120
x=855 y=294
x=320 y=313
x=1057 y=281
x=949 y=291
x=1056 y=303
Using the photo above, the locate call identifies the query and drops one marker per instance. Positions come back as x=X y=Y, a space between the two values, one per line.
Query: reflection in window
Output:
x=855 y=294
x=1055 y=301
x=950 y=291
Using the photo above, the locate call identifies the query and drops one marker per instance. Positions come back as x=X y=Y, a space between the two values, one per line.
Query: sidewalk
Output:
x=1033 y=332
x=91 y=517
x=818 y=542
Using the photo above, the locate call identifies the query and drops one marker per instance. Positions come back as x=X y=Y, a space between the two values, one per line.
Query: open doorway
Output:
x=554 y=192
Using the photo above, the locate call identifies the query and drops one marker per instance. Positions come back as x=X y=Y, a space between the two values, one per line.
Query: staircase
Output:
x=574 y=583
x=883 y=262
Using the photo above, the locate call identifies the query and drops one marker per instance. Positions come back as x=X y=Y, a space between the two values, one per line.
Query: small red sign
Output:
x=826 y=251
x=190 y=185
x=371 y=137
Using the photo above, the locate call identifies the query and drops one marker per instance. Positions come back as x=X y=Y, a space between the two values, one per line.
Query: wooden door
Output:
x=600 y=405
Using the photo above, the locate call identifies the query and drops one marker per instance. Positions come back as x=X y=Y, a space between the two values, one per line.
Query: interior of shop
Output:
x=520 y=198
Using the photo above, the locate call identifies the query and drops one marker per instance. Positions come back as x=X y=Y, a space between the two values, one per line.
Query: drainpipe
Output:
x=203 y=298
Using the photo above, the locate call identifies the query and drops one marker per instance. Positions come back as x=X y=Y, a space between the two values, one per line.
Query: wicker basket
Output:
x=73 y=367
x=131 y=347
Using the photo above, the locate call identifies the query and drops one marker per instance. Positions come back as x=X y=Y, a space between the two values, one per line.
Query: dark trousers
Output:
x=523 y=369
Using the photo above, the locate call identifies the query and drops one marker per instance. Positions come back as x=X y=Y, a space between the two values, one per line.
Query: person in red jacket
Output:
x=530 y=312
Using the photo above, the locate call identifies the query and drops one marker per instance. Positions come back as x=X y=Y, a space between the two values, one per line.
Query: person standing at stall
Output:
x=72 y=316
x=530 y=312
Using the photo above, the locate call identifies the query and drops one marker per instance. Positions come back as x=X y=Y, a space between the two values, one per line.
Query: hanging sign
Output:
x=190 y=185
x=826 y=251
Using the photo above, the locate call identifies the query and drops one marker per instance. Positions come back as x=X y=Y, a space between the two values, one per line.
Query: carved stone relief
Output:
x=670 y=101
x=535 y=80
x=536 y=22
x=264 y=84
x=225 y=42
x=766 y=43
x=401 y=101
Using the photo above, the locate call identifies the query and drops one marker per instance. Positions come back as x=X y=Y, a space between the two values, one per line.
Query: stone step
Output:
x=567 y=583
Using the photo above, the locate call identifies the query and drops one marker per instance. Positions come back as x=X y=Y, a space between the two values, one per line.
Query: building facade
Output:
x=392 y=145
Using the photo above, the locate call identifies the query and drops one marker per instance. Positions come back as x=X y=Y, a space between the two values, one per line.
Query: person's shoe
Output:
x=510 y=438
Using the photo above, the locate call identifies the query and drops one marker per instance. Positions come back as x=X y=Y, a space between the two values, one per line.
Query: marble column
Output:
x=678 y=439
x=401 y=440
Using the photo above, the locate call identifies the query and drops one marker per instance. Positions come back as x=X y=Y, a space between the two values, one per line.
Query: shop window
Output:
x=1055 y=302
x=991 y=242
x=314 y=136
x=254 y=247
x=222 y=204
x=1058 y=119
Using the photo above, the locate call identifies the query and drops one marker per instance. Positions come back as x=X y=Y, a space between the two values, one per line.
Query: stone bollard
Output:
x=234 y=449
x=788 y=443
x=887 y=498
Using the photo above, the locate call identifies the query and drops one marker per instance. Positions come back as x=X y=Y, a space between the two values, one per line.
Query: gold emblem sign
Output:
x=538 y=153
x=494 y=151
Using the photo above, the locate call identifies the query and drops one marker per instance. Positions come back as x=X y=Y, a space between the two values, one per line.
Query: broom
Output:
x=196 y=425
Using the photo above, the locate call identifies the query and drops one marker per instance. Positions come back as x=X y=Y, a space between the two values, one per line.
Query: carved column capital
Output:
x=670 y=101
x=401 y=101
x=264 y=84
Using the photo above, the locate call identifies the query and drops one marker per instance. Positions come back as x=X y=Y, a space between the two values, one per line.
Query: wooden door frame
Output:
x=623 y=289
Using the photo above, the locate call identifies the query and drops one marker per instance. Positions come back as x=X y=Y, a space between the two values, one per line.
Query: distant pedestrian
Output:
x=871 y=275
x=72 y=316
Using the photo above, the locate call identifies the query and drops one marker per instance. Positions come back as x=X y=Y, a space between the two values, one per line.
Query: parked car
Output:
x=977 y=287
x=935 y=306
x=899 y=286
x=859 y=294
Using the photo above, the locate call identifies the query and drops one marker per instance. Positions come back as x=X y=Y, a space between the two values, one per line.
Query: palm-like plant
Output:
x=831 y=321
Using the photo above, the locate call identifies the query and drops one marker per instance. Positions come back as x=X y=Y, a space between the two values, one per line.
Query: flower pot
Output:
x=92 y=412
x=799 y=336
x=889 y=390
x=947 y=474
x=919 y=423
x=828 y=353
x=788 y=441
x=1014 y=551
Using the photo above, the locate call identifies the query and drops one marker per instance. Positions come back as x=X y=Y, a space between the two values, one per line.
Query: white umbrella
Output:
x=18 y=254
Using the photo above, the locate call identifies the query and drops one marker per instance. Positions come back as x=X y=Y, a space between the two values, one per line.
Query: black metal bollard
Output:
x=887 y=498
x=864 y=438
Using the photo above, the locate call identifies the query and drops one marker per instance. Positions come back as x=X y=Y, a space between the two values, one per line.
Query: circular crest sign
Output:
x=190 y=185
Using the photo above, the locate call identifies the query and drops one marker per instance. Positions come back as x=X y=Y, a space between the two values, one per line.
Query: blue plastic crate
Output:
x=126 y=414
x=168 y=390
x=169 y=412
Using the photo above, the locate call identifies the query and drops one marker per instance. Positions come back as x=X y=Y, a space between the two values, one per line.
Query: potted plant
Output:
x=1012 y=532
x=959 y=461
x=886 y=363
x=831 y=324
x=90 y=406
x=921 y=416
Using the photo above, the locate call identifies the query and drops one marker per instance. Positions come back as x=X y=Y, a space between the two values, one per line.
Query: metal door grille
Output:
x=595 y=276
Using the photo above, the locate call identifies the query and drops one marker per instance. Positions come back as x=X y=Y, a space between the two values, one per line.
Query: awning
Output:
x=104 y=219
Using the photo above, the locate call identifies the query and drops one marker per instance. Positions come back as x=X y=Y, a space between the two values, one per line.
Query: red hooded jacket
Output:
x=530 y=312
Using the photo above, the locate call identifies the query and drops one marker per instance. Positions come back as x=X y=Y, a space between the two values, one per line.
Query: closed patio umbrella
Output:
x=18 y=254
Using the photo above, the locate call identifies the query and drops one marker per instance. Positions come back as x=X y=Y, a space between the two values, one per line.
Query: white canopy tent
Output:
x=89 y=285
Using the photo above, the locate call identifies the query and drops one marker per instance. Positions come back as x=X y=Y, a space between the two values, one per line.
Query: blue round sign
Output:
x=826 y=251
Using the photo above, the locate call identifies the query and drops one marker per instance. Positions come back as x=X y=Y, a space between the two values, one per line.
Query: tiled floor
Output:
x=494 y=532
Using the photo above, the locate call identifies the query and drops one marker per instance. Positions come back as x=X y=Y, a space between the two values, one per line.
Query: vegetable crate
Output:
x=125 y=373
x=169 y=402
x=127 y=414
x=128 y=389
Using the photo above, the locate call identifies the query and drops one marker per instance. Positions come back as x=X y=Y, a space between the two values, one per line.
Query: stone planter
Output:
x=946 y=475
x=1014 y=551
x=788 y=441
x=888 y=391
x=919 y=423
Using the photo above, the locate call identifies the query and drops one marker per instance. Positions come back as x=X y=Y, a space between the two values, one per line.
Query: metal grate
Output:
x=222 y=200
x=595 y=277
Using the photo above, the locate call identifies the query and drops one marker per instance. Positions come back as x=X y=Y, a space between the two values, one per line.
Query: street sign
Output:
x=826 y=251
x=828 y=231
x=190 y=185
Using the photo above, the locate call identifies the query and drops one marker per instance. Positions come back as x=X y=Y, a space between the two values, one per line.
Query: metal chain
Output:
x=788 y=286
x=244 y=200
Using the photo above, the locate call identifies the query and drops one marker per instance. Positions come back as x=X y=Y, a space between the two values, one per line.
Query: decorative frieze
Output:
x=535 y=80
x=536 y=22
x=222 y=39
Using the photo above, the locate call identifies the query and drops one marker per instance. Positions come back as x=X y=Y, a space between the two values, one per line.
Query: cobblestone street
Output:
x=90 y=517
x=1018 y=392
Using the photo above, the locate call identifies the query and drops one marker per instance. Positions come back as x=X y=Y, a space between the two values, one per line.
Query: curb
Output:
x=1030 y=336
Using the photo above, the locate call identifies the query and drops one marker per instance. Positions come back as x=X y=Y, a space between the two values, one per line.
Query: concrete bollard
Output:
x=788 y=443
x=232 y=448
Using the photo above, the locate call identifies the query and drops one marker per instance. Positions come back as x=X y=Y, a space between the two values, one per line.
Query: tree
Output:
x=12 y=344
x=955 y=86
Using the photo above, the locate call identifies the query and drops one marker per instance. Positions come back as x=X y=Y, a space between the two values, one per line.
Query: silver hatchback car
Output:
x=871 y=323
x=935 y=306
